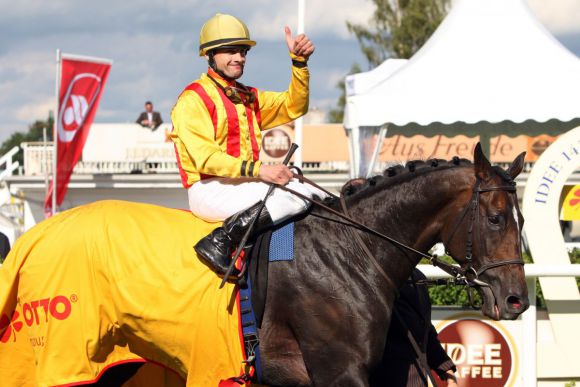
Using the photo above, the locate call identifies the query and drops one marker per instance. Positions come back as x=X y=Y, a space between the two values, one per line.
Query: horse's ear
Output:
x=517 y=165
x=481 y=163
x=350 y=186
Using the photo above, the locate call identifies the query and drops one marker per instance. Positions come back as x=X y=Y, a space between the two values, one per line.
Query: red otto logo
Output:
x=76 y=104
x=35 y=313
x=483 y=354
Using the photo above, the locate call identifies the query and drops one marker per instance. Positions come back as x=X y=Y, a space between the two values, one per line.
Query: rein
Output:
x=467 y=275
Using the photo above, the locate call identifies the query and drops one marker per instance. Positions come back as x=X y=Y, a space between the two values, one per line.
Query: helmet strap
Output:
x=213 y=66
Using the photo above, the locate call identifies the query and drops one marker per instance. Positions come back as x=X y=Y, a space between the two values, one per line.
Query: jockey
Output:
x=217 y=125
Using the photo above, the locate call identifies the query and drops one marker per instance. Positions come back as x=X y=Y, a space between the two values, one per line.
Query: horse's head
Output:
x=484 y=236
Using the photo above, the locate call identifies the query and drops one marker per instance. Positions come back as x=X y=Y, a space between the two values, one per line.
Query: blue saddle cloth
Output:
x=282 y=244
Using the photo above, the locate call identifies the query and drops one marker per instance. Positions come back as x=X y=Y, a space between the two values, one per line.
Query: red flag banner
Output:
x=82 y=81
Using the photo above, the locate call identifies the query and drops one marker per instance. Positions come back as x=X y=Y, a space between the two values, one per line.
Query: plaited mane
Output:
x=398 y=174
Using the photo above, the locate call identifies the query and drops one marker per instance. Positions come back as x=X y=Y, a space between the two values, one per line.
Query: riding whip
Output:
x=241 y=245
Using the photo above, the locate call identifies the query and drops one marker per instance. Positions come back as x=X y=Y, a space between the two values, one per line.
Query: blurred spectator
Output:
x=403 y=364
x=4 y=246
x=149 y=118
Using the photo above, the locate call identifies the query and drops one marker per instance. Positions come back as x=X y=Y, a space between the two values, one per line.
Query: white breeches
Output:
x=216 y=199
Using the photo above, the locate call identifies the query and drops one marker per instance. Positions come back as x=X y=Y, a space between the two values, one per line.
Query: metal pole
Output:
x=299 y=123
x=529 y=340
x=55 y=129
x=377 y=150
x=301 y=14
x=45 y=159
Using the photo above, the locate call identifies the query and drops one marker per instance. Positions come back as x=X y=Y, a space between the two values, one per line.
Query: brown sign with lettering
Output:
x=502 y=148
x=483 y=354
x=329 y=142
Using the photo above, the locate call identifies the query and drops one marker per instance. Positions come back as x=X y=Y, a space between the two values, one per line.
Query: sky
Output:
x=153 y=45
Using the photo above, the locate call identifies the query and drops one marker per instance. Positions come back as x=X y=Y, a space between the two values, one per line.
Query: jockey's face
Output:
x=230 y=61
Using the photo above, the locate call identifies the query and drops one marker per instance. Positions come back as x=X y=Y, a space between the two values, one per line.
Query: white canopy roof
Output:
x=361 y=83
x=489 y=61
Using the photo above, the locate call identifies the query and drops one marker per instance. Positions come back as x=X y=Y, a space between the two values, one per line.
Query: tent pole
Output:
x=299 y=122
x=354 y=139
x=377 y=150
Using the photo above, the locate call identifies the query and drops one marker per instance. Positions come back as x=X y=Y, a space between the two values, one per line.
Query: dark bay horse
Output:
x=327 y=312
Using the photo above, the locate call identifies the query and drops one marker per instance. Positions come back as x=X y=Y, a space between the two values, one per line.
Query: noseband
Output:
x=467 y=268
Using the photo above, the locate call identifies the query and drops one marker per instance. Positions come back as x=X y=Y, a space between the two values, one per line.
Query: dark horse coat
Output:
x=328 y=311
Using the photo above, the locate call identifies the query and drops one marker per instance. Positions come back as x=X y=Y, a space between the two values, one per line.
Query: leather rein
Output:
x=465 y=274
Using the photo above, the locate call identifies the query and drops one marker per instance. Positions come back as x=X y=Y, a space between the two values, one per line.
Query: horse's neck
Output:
x=410 y=212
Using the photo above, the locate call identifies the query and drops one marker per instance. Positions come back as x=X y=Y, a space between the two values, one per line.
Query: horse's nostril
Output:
x=514 y=302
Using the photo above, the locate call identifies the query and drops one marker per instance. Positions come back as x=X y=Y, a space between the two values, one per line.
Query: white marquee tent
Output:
x=490 y=68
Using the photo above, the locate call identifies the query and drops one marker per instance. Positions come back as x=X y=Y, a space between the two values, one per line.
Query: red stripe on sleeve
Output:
x=207 y=101
x=210 y=106
x=182 y=173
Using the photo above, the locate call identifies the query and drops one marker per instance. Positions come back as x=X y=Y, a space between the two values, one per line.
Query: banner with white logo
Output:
x=82 y=80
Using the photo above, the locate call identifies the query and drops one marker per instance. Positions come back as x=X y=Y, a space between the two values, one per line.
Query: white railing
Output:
x=159 y=158
x=532 y=270
x=147 y=158
x=529 y=318
x=11 y=165
x=37 y=158
x=37 y=162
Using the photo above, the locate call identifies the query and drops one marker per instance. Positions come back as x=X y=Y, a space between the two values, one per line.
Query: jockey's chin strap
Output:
x=467 y=275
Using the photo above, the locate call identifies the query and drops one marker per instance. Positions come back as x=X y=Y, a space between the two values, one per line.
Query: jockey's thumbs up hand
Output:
x=277 y=174
x=299 y=45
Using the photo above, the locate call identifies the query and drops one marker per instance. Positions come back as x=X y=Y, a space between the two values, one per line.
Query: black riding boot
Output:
x=216 y=248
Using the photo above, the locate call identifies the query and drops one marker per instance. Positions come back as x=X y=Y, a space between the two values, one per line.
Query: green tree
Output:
x=337 y=115
x=34 y=133
x=397 y=29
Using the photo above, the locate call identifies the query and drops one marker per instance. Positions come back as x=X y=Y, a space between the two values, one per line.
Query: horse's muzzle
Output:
x=514 y=306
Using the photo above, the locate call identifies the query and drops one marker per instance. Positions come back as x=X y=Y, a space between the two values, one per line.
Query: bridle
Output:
x=468 y=270
x=466 y=274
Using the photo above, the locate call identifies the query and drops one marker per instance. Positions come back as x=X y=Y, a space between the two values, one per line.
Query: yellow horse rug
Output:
x=114 y=282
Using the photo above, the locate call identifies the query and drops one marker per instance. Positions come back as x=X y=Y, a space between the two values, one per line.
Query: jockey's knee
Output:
x=283 y=205
x=298 y=205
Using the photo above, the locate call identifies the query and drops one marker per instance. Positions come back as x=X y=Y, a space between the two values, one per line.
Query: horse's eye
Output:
x=495 y=219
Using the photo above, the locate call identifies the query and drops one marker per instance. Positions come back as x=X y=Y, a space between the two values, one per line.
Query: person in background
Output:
x=4 y=247
x=402 y=365
x=149 y=118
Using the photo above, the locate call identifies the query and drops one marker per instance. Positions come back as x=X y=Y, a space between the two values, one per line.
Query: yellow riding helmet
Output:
x=223 y=30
